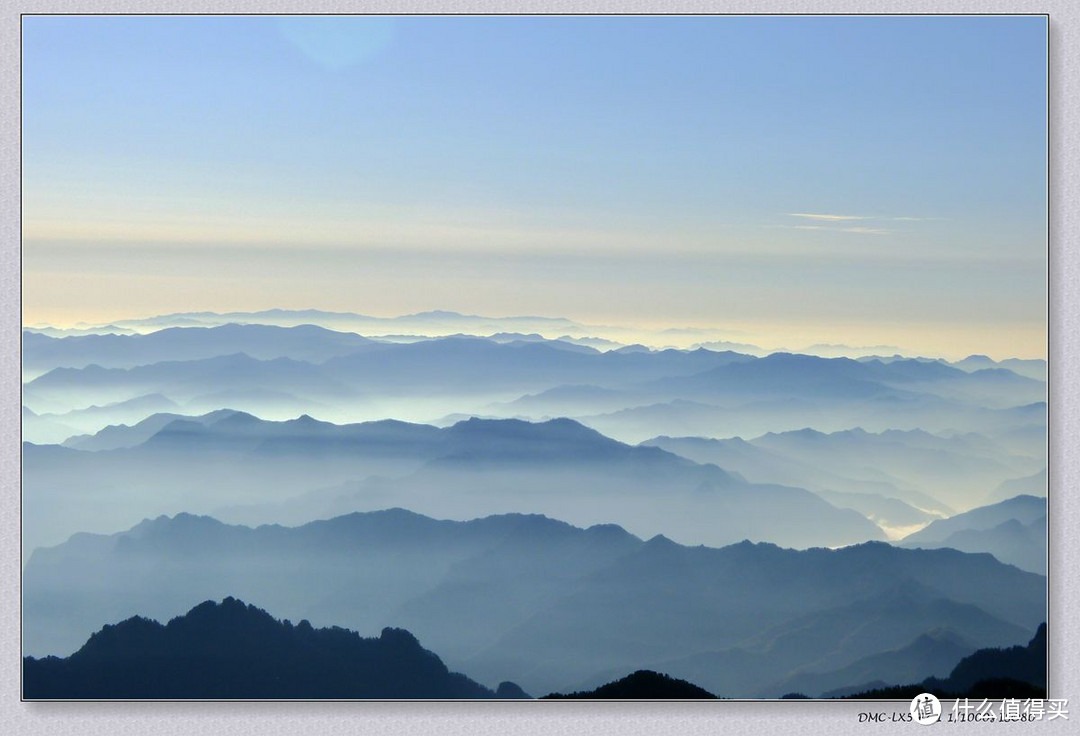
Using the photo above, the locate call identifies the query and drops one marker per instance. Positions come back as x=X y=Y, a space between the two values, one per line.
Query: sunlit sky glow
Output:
x=845 y=180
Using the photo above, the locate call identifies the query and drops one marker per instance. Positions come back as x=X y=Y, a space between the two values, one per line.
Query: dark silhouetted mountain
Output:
x=533 y=600
x=229 y=650
x=1027 y=664
x=1014 y=531
x=511 y=691
x=994 y=673
x=641 y=685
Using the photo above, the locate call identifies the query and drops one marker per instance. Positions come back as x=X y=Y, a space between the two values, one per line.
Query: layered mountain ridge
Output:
x=534 y=600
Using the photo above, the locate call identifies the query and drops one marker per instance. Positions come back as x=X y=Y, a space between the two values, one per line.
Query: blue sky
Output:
x=843 y=179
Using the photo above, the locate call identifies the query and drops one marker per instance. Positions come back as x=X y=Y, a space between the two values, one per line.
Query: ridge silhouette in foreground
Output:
x=231 y=650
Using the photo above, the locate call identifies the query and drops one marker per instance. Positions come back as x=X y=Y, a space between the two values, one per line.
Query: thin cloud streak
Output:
x=856 y=230
x=845 y=218
x=830 y=218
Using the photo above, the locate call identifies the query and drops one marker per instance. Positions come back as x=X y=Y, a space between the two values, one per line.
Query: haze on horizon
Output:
x=845 y=180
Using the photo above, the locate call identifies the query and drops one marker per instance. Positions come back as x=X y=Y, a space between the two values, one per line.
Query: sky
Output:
x=862 y=180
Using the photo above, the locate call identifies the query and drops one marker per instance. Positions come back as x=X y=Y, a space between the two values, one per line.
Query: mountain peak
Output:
x=399 y=638
x=503 y=430
x=511 y=691
x=643 y=685
x=252 y=656
x=608 y=530
x=661 y=542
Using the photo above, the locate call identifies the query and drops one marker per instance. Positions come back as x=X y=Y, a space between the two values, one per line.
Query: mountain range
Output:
x=928 y=473
x=632 y=393
x=309 y=343
x=583 y=502
x=1014 y=531
x=303 y=469
x=545 y=604
x=443 y=323
x=995 y=673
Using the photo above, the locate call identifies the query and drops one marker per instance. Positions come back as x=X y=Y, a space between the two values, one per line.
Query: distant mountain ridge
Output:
x=1014 y=531
x=449 y=319
x=357 y=380
x=430 y=323
x=265 y=342
x=1023 y=508
x=929 y=473
x=1031 y=485
x=314 y=469
x=340 y=369
x=292 y=317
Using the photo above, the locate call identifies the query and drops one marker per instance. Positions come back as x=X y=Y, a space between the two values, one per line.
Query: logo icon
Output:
x=925 y=709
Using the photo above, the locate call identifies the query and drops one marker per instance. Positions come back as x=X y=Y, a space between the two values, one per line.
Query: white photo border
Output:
x=523 y=718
